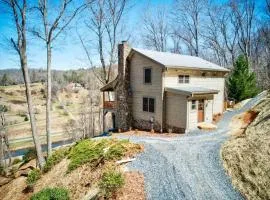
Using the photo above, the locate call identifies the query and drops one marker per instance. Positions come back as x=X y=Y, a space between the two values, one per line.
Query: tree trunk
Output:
x=48 y=104
x=40 y=158
x=2 y=158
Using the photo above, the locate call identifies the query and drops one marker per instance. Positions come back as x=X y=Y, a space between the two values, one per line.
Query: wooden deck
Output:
x=109 y=105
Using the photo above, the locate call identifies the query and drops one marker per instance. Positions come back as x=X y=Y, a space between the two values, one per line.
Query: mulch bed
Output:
x=147 y=134
x=133 y=188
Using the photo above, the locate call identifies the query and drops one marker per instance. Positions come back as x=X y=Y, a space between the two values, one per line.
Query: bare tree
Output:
x=156 y=29
x=260 y=53
x=19 y=14
x=244 y=18
x=104 y=22
x=4 y=143
x=221 y=34
x=212 y=36
x=52 y=29
x=85 y=126
x=188 y=22
x=267 y=9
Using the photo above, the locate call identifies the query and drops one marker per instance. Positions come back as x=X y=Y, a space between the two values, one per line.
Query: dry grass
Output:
x=14 y=98
x=246 y=156
x=14 y=190
x=80 y=180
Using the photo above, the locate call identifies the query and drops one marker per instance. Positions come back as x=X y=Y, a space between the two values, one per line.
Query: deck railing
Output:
x=109 y=105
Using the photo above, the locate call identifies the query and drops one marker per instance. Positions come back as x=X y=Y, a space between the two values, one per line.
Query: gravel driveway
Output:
x=187 y=167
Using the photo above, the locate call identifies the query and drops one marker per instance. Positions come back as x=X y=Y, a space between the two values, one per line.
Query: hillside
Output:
x=83 y=76
x=88 y=168
x=246 y=156
x=67 y=106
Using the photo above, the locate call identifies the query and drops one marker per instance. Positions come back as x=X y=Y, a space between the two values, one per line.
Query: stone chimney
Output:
x=123 y=104
x=123 y=51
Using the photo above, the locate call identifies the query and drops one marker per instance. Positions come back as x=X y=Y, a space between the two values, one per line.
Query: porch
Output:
x=109 y=105
x=186 y=107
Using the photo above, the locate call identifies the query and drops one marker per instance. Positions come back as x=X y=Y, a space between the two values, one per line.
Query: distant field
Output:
x=66 y=105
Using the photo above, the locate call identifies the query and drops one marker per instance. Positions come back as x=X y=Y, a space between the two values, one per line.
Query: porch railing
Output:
x=109 y=105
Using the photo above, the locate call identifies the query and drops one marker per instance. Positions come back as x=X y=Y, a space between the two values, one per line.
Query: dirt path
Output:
x=187 y=167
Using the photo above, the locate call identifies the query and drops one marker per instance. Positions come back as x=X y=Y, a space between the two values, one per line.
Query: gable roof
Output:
x=172 y=60
x=110 y=86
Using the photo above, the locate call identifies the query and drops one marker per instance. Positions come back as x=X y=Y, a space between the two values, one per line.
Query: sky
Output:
x=67 y=50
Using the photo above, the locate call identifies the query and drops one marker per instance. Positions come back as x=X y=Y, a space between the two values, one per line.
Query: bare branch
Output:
x=89 y=59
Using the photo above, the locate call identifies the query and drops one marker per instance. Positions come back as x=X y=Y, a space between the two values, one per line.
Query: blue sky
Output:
x=67 y=51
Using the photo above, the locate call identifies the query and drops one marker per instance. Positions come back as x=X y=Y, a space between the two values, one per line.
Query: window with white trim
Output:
x=183 y=79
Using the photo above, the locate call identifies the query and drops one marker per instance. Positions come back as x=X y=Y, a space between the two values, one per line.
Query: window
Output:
x=193 y=104
x=148 y=104
x=147 y=75
x=201 y=105
x=183 y=78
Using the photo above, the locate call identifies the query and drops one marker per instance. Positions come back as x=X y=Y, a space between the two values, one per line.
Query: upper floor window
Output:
x=147 y=75
x=148 y=104
x=183 y=78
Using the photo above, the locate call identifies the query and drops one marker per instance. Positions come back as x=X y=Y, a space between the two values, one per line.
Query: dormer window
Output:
x=183 y=78
x=147 y=75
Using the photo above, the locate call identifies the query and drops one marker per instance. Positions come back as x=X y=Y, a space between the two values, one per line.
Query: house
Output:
x=163 y=90
x=74 y=86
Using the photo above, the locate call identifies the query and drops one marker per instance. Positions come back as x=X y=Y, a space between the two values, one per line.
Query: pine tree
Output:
x=242 y=83
x=5 y=80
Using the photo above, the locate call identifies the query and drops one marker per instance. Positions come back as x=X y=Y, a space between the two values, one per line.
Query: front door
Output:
x=201 y=111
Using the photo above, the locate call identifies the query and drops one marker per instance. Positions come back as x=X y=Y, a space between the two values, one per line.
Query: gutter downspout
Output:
x=187 y=115
x=163 y=121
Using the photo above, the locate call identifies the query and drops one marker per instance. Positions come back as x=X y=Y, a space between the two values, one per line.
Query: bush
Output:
x=95 y=152
x=110 y=182
x=51 y=193
x=2 y=171
x=33 y=92
x=29 y=155
x=55 y=158
x=42 y=91
x=60 y=107
x=16 y=161
x=26 y=118
x=32 y=177
x=85 y=151
x=3 y=108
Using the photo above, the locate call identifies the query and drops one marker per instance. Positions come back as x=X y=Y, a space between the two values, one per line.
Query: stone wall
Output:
x=174 y=129
x=146 y=125
x=123 y=102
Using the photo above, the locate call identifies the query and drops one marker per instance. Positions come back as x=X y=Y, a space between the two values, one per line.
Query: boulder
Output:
x=23 y=172
x=31 y=164
x=206 y=126
x=4 y=180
